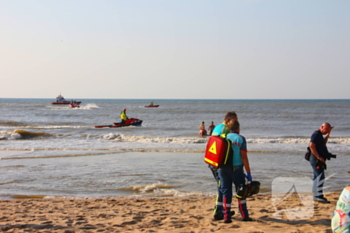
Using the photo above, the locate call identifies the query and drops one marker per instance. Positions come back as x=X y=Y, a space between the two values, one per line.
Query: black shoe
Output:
x=247 y=219
x=321 y=200
x=228 y=221
x=221 y=216
x=218 y=217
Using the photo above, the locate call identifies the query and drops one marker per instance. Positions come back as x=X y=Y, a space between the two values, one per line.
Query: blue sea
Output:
x=51 y=150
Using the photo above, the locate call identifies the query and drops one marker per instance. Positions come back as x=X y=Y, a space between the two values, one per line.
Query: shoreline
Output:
x=163 y=214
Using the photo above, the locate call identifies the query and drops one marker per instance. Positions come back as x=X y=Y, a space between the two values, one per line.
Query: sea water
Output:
x=52 y=150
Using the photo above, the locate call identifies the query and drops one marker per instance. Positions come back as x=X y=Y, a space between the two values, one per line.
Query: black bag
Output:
x=308 y=154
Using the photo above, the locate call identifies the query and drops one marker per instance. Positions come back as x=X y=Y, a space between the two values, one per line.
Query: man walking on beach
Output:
x=319 y=154
x=221 y=130
x=235 y=174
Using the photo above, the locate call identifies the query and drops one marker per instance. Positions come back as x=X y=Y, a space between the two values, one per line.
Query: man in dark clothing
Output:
x=319 y=154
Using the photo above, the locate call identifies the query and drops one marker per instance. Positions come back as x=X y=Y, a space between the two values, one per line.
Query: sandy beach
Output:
x=154 y=215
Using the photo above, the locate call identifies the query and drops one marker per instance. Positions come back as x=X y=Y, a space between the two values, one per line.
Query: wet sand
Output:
x=191 y=214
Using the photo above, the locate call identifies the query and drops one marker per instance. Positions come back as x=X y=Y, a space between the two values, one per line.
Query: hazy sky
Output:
x=175 y=49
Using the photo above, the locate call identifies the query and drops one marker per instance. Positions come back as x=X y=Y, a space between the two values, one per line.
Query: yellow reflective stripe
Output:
x=227 y=151
x=211 y=162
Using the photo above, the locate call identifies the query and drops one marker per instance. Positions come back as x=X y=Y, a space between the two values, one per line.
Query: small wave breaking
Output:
x=162 y=190
x=20 y=134
x=144 y=139
x=117 y=137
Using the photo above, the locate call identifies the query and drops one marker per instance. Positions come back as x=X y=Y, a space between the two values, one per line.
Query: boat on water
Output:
x=152 y=106
x=61 y=100
x=74 y=105
x=128 y=122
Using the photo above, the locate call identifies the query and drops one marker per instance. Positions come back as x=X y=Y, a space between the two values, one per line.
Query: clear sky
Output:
x=175 y=49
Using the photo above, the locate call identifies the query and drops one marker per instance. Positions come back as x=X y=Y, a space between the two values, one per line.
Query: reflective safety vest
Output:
x=123 y=116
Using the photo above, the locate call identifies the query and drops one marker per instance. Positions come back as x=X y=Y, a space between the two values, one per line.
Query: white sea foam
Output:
x=195 y=140
x=16 y=134
x=9 y=135
x=89 y=106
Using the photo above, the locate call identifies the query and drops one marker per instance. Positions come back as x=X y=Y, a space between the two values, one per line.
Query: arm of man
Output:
x=314 y=151
x=244 y=156
x=327 y=136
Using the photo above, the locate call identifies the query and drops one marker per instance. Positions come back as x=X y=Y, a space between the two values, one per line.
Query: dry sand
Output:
x=154 y=215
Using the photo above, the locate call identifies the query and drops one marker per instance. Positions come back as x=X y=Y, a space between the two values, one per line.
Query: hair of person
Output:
x=326 y=124
x=233 y=125
x=230 y=115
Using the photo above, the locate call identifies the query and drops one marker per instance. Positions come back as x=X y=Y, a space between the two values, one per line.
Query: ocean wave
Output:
x=117 y=137
x=146 y=188
x=89 y=106
x=53 y=127
x=162 y=190
x=144 y=139
x=11 y=123
x=68 y=108
x=20 y=134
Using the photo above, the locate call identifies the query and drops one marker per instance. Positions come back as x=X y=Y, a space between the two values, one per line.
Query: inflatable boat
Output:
x=74 y=105
x=152 y=106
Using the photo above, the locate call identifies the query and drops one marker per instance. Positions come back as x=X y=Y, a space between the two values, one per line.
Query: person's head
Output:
x=212 y=122
x=325 y=128
x=202 y=122
x=124 y=109
x=233 y=125
x=230 y=116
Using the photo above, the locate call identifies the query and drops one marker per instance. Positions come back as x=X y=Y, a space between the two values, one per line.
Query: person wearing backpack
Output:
x=221 y=130
x=235 y=174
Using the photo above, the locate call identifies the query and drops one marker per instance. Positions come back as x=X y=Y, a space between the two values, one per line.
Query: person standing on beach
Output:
x=221 y=130
x=319 y=154
x=211 y=128
x=235 y=173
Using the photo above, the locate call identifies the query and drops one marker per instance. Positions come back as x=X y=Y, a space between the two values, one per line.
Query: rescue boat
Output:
x=74 y=105
x=61 y=100
x=152 y=106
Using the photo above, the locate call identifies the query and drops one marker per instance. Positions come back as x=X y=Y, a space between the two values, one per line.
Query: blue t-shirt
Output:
x=220 y=130
x=321 y=147
x=238 y=143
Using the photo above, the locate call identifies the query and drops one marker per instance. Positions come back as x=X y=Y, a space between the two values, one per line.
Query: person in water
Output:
x=123 y=116
x=202 y=130
x=234 y=173
x=211 y=128
x=221 y=130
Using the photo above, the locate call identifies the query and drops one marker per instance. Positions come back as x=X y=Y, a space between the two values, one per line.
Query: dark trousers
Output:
x=218 y=209
x=235 y=175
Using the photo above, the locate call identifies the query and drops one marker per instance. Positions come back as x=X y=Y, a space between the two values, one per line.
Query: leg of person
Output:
x=225 y=174
x=239 y=181
x=318 y=181
x=218 y=209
